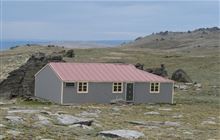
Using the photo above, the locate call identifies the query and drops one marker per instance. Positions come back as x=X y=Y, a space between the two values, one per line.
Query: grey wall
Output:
x=48 y=85
x=97 y=93
x=143 y=95
x=102 y=93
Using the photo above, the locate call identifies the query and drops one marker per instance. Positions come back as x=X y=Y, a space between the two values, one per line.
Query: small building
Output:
x=70 y=83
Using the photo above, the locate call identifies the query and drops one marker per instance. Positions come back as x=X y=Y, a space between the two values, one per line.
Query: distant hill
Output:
x=202 y=37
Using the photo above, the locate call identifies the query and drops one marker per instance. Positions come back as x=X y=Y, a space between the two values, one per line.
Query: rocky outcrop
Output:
x=20 y=82
x=70 y=53
x=181 y=76
x=122 y=133
x=158 y=71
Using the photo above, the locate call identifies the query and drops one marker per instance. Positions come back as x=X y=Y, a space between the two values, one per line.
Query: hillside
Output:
x=194 y=116
x=203 y=37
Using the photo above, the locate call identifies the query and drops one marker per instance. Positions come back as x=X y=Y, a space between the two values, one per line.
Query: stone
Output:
x=28 y=111
x=116 y=109
x=152 y=113
x=46 y=112
x=174 y=124
x=2 y=103
x=155 y=123
x=88 y=114
x=183 y=87
x=165 y=109
x=42 y=120
x=198 y=85
x=122 y=133
x=177 y=116
x=81 y=126
x=2 y=137
x=147 y=123
x=208 y=122
x=181 y=76
x=61 y=112
x=2 y=125
x=70 y=120
x=13 y=132
x=14 y=119
x=187 y=133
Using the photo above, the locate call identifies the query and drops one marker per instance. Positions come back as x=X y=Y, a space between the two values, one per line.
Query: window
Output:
x=117 y=87
x=82 y=87
x=70 y=84
x=154 y=87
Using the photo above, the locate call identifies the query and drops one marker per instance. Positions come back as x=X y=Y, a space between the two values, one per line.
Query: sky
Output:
x=98 y=20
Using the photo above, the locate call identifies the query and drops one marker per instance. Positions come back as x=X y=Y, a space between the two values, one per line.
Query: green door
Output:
x=129 y=94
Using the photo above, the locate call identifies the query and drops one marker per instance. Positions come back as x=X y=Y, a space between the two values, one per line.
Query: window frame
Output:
x=87 y=87
x=117 y=87
x=154 y=87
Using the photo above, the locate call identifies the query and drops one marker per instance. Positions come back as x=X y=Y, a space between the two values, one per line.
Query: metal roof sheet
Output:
x=103 y=72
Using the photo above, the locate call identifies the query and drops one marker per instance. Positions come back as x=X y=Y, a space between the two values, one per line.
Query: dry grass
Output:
x=194 y=106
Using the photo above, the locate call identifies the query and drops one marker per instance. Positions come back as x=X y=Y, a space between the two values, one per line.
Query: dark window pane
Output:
x=70 y=84
x=119 y=88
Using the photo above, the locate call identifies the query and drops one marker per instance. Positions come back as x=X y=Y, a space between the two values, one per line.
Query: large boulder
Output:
x=20 y=82
x=181 y=76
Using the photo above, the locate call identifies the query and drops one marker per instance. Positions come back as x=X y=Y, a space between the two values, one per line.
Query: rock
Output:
x=46 y=112
x=42 y=120
x=2 y=137
x=152 y=113
x=127 y=134
x=208 y=122
x=178 y=116
x=88 y=114
x=158 y=71
x=187 y=133
x=174 y=124
x=81 y=126
x=13 y=132
x=198 y=85
x=116 y=109
x=69 y=120
x=165 y=109
x=2 y=125
x=28 y=111
x=1 y=103
x=155 y=123
x=14 y=119
x=183 y=87
x=146 y=123
x=70 y=53
x=61 y=112
x=139 y=66
x=181 y=76
x=20 y=82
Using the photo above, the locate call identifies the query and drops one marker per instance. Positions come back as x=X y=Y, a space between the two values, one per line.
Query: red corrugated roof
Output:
x=103 y=72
